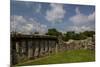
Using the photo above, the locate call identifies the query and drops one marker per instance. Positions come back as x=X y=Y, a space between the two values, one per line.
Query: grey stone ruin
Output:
x=88 y=43
x=25 y=47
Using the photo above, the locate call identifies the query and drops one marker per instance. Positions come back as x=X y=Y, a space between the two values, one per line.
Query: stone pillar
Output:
x=24 y=49
x=49 y=46
x=30 y=50
x=36 y=48
x=17 y=47
x=33 y=45
x=46 y=47
x=18 y=50
x=41 y=47
x=54 y=47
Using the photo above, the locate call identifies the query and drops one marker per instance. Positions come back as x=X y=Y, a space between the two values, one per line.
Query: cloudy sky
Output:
x=35 y=16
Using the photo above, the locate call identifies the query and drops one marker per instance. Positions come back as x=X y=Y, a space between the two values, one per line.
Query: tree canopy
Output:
x=70 y=34
x=53 y=32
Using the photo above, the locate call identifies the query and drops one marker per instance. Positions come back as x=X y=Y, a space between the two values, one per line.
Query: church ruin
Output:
x=31 y=46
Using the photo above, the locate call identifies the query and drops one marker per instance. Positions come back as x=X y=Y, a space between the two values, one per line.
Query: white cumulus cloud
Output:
x=80 y=28
x=21 y=24
x=82 y=22
x=56 y=13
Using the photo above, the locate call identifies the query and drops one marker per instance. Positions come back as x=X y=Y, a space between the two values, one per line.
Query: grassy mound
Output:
x=70 y=56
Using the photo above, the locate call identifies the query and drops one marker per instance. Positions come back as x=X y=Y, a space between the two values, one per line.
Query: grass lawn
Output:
x=70 y=56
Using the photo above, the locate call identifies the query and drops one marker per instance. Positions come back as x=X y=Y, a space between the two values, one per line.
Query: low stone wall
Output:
x=88 y=43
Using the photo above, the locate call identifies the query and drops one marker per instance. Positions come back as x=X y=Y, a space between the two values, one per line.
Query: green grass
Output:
x=70 y=56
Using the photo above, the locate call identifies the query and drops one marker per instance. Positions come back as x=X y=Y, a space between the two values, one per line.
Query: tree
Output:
x=79 y=36
x=68 y=35
x=53 y=32
x=75 y=36
x=89 y=33
x=36 y=32
x=71 y=34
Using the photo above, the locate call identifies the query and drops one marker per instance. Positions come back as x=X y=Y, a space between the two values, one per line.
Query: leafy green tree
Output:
x=79 y=36
x=53 y=32
x=68 y=35
x=76 y=36
x=71 y=34
x=89 y=33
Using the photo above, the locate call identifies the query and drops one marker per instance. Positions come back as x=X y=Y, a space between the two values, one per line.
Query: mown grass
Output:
x=71 y=56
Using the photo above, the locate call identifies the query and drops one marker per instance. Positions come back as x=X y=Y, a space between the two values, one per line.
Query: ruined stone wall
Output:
x=88 y=43
x=31 y=47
